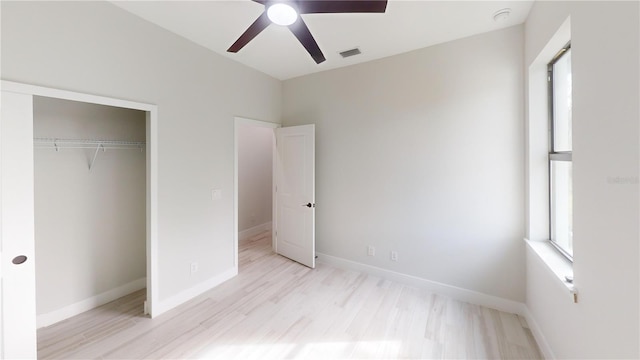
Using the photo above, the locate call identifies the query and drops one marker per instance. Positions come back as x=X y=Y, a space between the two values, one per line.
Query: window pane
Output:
x=562 y=205
x=562 y=103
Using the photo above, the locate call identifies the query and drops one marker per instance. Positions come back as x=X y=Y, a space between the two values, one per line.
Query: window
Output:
x=560 y=151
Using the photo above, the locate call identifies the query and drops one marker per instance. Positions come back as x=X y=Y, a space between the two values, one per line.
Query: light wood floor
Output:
x=276 y=308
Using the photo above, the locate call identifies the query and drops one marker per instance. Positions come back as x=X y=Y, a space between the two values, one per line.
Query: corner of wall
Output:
x=537 y=334
x=189 y=294
x=79 y=307
x=245 y=234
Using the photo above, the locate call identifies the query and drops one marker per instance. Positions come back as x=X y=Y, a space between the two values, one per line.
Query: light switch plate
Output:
x=216 y=194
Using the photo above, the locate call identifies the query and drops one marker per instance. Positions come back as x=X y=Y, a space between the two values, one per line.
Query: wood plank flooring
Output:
x=276 y=308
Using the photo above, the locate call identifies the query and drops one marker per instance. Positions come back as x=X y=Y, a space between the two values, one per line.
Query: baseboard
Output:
x=537 y=334
x=90 y=303
x=247 y=233
x=194 y=291
x=453 y=292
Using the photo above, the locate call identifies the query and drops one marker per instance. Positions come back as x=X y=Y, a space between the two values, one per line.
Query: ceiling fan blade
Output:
x=260 y=24
x=263 y=2
x=301 y=31
x=341 y=6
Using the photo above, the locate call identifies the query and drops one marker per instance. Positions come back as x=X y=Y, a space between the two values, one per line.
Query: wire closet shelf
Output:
x=86 y=144
x=57 y=144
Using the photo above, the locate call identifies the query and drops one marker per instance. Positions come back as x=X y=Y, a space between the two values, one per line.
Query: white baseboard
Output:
x=90 y=303
x=537 y=334
x=247 y=233
x=454 y=292
x=194 y=291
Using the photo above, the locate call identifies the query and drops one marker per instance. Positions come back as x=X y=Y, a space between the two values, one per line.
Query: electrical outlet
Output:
x=394 y=256
x=371 y=251
x=194 y=268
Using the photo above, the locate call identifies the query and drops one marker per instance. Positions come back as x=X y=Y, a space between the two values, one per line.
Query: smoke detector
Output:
x=501 y=15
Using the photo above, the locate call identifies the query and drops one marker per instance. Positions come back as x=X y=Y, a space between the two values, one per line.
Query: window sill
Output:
x=557 y=264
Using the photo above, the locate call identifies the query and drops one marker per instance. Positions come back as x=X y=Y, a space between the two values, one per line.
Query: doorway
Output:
x=254 y=149
x=293 y=190
x=18 y=311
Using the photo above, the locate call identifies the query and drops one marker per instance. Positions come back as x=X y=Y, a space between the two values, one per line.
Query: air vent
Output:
x=351 y=52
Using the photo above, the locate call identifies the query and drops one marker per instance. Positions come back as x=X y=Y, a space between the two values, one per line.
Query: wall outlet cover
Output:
x=394 y=256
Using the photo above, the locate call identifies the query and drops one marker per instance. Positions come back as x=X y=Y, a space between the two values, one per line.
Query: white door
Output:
x=18 y=308
x=295 y=194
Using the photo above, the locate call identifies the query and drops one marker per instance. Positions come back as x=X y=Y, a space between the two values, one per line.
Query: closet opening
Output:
x=91 y=208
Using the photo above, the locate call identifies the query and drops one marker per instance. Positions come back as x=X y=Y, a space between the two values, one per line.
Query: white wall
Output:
x=90 y=226
x=255 y=167
x=422 y=153
x=97 y=48
x=605 y=58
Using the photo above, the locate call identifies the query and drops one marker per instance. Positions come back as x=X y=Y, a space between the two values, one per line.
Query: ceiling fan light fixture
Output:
x=282 y=14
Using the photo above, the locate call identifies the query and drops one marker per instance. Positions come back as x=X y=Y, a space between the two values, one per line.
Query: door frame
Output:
x=240 y=121
x=151 y=168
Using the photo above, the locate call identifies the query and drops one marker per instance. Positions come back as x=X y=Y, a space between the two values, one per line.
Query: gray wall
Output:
x=97 y=48
x=255 y=172
x=422 y=153
x=90 y=225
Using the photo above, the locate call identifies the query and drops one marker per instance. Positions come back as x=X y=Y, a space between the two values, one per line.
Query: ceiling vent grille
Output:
x=351 y=52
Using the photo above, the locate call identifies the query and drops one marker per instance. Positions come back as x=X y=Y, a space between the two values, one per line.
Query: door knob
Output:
x=309 y=205
x=19 y=259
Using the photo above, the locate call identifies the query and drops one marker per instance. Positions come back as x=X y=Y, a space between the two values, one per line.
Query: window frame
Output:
x=554 y=155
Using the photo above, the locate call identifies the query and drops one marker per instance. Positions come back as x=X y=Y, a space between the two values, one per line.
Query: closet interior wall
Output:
x=90 y=224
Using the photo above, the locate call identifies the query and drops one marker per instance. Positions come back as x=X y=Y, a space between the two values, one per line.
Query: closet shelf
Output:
x=86 y=144
x=57 y=144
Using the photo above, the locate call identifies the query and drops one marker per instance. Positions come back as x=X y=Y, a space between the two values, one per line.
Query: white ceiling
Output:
x=406 y=25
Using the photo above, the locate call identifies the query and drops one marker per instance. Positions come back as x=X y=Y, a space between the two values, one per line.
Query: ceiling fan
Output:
x=287 y=13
